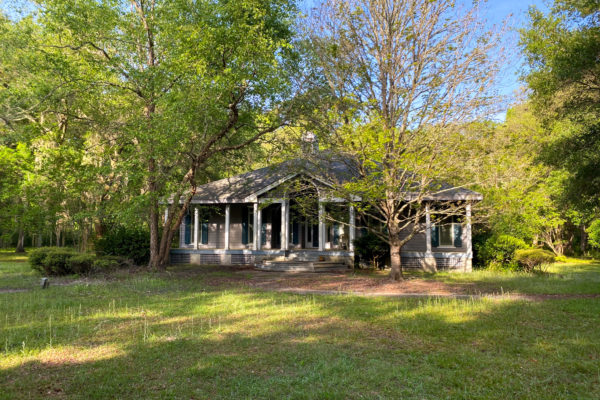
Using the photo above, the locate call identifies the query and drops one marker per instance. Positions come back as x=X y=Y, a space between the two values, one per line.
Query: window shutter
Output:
x=336 y=234
x=188 y=229
x=244 y=225
x=457 y=235
x=263 y=234
x=295 y=227
x=204 y=238
x=435 y=239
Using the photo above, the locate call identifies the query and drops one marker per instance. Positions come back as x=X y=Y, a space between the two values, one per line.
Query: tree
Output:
x=405 y=76
x=184 y=83
x=562 y=50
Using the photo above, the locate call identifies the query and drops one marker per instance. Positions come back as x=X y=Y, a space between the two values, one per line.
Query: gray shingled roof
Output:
x=327 y=169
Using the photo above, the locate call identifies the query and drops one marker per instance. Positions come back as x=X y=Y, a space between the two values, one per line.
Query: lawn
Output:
x=181 y=335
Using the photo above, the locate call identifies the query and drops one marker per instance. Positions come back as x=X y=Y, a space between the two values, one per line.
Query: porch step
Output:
x=301 y=266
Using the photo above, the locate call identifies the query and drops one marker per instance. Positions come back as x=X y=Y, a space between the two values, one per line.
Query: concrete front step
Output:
x=299 y=266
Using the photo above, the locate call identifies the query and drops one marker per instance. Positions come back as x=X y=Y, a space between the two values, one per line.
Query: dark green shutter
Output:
x=245 y=225
x=188 y=229
x=435 y=239
x=315 y=238
x=204 y=238
x=263 y=234
x=295 y=235
x=336 y=234
x=457 y=235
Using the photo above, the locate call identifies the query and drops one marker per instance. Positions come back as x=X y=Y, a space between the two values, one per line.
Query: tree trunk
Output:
x=20 y=241
x=583 y=242
x=155 y=262
x=396 y=272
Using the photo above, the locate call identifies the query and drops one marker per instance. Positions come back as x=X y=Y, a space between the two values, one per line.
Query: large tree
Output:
x=562 y=49
x=181 y=84
x=405 y=75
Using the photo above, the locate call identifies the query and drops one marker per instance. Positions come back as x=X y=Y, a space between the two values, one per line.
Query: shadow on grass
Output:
x=270 y=345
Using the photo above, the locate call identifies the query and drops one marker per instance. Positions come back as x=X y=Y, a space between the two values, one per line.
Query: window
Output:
x=446 y=235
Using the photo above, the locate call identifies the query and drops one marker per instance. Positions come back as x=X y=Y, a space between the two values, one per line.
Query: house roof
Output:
x=325 y=168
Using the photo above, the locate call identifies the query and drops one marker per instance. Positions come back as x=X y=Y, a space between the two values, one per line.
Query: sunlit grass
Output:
x=172 y=336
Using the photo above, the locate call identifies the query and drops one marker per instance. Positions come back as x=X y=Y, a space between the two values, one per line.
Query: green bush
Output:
x=131 y=243
x=499 y=251
x=36 y=258
x=594 y=233
x=65 y=261
x=530 y=259
x=370 y=249
x=109 y=263
x=82 y=263
x=57 y=261
x=562 y=259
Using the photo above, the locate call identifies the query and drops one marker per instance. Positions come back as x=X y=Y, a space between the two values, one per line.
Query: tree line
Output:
x=110 y=108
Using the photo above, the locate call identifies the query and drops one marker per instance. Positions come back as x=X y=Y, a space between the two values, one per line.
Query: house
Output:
x=262 y=215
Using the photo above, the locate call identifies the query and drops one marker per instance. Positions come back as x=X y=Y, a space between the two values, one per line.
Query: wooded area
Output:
x=108 y=108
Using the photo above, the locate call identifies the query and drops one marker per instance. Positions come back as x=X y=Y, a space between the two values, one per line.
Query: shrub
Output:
x=81 y=263
x=371 y=249
x=108 y=263
x=529 y=259
x=500 y=250
x=131 y=243
x=36 y=258
x=562 y=259
x=57 y=261
x=594 y=233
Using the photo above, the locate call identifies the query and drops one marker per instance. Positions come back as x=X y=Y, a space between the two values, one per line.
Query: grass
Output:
x=155 y=336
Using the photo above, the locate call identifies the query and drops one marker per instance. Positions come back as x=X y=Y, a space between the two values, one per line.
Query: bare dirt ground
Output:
x=363 y=284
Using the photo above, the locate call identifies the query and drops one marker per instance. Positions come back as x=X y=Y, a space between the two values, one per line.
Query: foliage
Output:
x=499 y=251
x=59 y=261
x=52 y=260
x=594 y=233
x=128 y=242
x=370 y=248
x=564 y=76
x=81 y=263
x=529 y=259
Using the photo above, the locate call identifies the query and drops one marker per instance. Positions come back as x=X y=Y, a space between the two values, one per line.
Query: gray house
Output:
x=261 y=216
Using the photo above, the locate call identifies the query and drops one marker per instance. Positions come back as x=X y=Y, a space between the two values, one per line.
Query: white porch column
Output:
x=351 y=228
x=227 y=219
x=428 y=228
x=321 y=227
x=258 y=231
x=255 y=228
x=196 y=224
x=285 y=215
x=469 y=245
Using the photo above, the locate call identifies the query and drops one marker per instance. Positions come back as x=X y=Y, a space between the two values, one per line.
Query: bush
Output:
x=131 y=243
x=82 y=263
x=65 y=261
x=57 y=261
x=529 y=259
x=36 y=258
x=499 y=251
x=562 y=259
x=371 y=249
x=51 y=260
x=594 y=233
